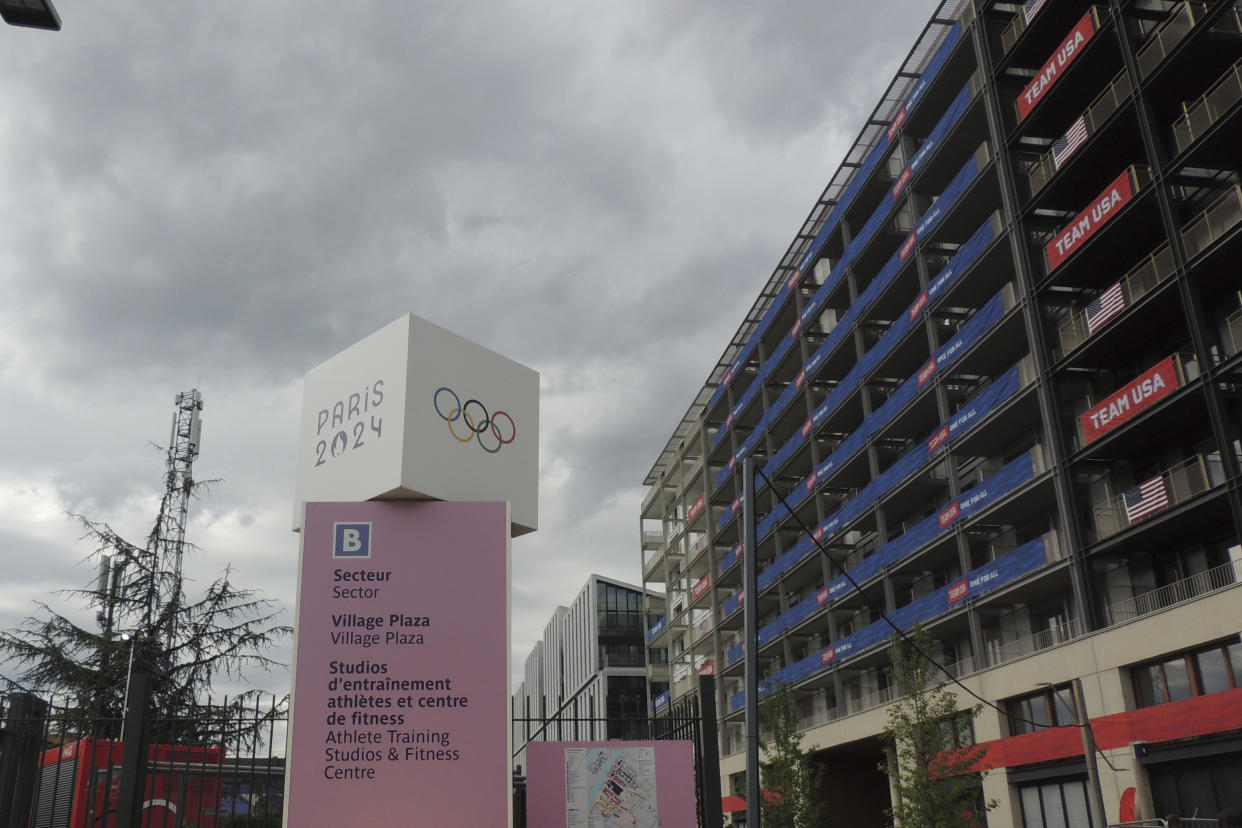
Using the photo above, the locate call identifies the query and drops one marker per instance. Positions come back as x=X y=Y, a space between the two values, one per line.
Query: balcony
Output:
x=1199 y=115
x=1180 y=23
x=1182 y=482
x=1098 y=111
x=1217 y=220
x=1179 y=592
x=1001 y=652
x=1013 y=31
x=1141 y=280
x=1127 y=402
x=1233 y=332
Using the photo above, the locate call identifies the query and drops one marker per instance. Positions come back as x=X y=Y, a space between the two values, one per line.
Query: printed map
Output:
x=611 y=787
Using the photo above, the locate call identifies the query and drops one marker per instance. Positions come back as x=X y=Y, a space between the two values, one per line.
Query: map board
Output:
x=610 y=784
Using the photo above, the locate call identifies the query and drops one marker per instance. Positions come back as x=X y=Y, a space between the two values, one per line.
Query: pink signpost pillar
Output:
x=400 y=692
x=418 y=460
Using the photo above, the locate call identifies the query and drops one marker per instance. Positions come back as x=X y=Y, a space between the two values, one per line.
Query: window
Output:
x=1049 y=707
x=1055 y=804
x=1188 y=674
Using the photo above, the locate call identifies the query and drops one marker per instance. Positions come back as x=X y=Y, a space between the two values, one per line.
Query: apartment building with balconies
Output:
x=994 y=387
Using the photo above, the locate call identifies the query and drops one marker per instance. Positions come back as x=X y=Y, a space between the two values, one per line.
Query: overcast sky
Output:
x=222 y=196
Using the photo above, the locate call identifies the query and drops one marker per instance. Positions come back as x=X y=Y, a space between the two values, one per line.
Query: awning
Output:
x=735 y=804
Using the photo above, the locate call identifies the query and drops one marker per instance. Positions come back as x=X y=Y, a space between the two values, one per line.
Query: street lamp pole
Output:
x=129 y=678
x=1095 y=796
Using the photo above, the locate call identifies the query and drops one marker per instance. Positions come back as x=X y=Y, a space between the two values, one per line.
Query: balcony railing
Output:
x=1136 y=284
x=1179 y=592
x=1233 y=332
x=870 y=700
x=1104 y=105
x=1013 y=31
x=1174 y=29
x=1199 y=115
x=1217 y=220
x=1000 y=652
x=1182 y=482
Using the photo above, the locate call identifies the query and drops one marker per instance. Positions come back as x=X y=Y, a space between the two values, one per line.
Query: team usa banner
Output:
x=1147 y=389
x=1101 y=211
x=1056 y=65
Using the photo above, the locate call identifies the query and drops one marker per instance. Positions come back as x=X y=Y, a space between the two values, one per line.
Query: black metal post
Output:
x=709 y=752
x=19 y=757
x=751 y=622
x=134 y=761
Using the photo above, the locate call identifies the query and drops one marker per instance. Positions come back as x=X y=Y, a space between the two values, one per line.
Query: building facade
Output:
x=994 y=386
x=586 y=679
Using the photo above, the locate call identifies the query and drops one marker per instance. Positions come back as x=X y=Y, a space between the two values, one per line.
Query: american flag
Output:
x=1064 y=147
x=1145 y=499
x=1031 y=8
x=1104 y=307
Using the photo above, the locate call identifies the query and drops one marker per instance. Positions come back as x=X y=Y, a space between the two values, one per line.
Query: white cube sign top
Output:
x=417 y=412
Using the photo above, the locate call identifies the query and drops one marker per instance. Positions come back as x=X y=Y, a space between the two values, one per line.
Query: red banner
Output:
x=896 y=124
x=902 y=181
x=919 y=304
x=950 y=514
x=695 y=509
x=1146 y=390
x=1069 y=49
x=701 y=585
x=1200 y=716
x=708 y=669
x=1106 y=205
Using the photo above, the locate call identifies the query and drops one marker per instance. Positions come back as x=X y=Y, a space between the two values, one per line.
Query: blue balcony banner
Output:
x=844 y=202
x=960 y=262
x=970 y=333
x=979 y=407
x=1004 y=570
x=860 y=241
x=970 y=502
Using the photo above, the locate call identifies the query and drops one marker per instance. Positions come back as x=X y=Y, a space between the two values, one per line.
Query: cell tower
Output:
x=167 y=546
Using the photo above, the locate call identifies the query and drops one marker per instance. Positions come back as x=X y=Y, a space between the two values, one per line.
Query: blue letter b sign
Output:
x=351 y=540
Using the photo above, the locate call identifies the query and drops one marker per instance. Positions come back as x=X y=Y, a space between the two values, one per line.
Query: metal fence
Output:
x=685 y=720
x=1184 y=822
x=220 y=765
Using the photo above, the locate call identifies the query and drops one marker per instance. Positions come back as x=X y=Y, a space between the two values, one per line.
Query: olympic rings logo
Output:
x=477 y=421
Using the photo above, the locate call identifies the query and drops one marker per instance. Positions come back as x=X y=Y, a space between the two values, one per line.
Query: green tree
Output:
x=790 y=777
x=146 y=621
x=930 y=738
